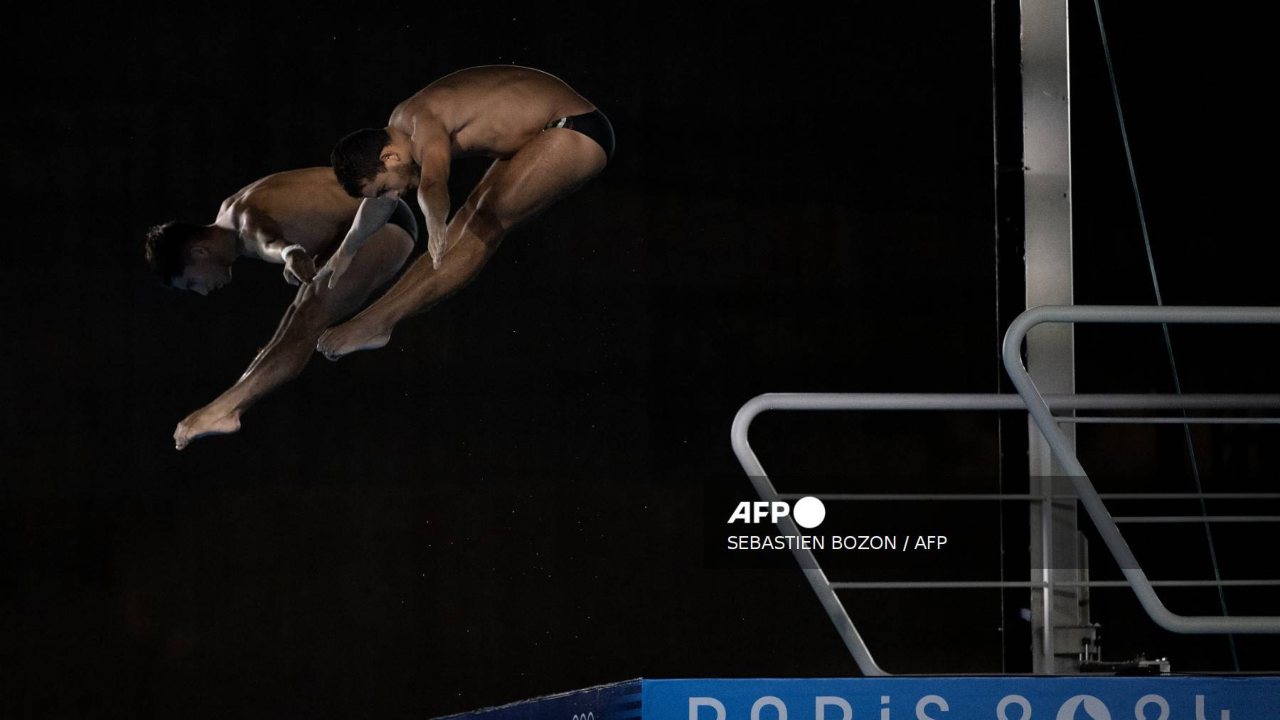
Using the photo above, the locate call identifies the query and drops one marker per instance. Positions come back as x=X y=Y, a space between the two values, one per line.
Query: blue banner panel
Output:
x=914 y=698
x=951 y=698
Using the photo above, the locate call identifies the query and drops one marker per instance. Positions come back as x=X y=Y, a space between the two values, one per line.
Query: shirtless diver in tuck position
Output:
x=546 y=141
x=294 y=218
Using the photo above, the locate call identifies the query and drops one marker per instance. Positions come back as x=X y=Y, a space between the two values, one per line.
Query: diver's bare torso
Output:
x=491 y=111
x=307 y=207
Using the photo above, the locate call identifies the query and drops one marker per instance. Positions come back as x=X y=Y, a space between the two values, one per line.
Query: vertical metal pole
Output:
x=1046 y=131
x=1011 y=291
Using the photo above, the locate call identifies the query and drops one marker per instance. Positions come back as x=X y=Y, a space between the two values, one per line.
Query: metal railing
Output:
x=1066 y=456
x=1041 y=408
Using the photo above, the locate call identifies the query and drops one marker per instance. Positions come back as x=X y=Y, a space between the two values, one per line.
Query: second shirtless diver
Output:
x=546 y=140
x=292 y=218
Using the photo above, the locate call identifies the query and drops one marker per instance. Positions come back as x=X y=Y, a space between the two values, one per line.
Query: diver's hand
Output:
x=437 y=244
x=299 y=267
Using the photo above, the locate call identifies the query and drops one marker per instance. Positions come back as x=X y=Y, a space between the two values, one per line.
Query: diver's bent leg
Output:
x=549 y=167
x=472 y=243
x=314 y=309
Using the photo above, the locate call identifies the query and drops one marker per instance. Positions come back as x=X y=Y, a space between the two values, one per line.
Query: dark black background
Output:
x=505 y=501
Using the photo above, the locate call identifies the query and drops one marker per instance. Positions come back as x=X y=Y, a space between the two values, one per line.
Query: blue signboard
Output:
x=913 y=698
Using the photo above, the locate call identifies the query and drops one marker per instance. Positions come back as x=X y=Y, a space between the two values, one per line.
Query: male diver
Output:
x=546 y=140
x=292 y=218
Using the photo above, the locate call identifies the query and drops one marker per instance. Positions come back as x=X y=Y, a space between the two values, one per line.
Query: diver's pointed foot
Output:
x=352 y=336
x=205 y=422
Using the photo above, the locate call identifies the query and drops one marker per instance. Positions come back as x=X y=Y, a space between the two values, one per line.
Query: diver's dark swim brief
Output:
x=593 y=124
x=403 y=217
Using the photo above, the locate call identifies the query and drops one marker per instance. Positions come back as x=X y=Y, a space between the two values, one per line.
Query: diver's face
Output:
x=203 y=275
x=386 y=184
x=394 y=181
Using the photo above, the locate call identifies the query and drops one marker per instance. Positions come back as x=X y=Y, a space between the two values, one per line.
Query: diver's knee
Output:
x=311 y=314
x=488 y=219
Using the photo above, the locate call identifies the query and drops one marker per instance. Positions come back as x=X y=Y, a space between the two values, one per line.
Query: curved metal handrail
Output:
x=1062 y=450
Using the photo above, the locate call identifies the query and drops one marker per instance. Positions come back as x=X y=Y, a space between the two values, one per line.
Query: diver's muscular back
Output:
x=492 y=110
x=306 y=206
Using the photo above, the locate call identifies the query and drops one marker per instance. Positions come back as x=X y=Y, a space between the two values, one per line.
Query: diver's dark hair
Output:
x=357 y=158
x=166 y=248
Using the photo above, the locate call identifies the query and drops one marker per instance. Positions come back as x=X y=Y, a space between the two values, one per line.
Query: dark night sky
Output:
x=505 y=502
